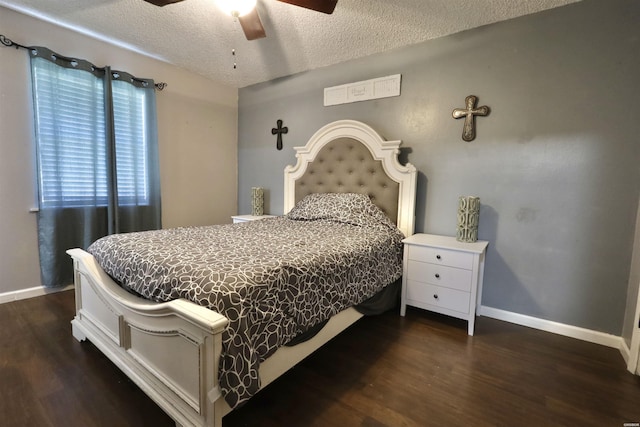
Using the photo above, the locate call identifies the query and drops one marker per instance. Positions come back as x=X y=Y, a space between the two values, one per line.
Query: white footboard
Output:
x=170 y=350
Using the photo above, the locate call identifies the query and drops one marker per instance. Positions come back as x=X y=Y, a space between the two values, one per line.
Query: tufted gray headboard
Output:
x=347 y=156
x=345 y=165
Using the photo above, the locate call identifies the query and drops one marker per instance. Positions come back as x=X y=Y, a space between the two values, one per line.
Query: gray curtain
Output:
x=97 y=153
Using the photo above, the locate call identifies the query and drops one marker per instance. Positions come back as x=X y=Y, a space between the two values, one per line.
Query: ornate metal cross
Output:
x=279 y=130
x=469 y=129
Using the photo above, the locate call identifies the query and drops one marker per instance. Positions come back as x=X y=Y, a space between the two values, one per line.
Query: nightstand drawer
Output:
x=441 y=256
x=438 y=296
x=440 y=275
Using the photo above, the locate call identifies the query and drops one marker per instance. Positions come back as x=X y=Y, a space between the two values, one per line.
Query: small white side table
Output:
x=443 y=275
x=244 y=218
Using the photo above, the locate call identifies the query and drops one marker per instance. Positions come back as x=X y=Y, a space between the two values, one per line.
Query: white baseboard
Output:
x=30 y=293
x=626 y=351
x=555 y=327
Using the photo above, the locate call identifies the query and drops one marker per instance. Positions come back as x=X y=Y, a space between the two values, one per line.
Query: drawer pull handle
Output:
x=435 y=296
x=438 y=257
x=437 y=276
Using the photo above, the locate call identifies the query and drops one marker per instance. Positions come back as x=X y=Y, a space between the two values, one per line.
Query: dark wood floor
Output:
x=422 y=370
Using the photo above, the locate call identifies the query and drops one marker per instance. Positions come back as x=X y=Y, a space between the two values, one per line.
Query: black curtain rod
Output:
x=10 y=43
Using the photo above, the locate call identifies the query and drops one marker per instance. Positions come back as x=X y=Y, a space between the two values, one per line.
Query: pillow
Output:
x=350 y=208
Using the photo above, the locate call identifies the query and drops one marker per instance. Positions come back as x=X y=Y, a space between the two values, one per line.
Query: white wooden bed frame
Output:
x=144 y=338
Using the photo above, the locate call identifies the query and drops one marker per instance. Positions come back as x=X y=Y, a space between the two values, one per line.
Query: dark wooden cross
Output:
x=279 y=130
x=469 y=113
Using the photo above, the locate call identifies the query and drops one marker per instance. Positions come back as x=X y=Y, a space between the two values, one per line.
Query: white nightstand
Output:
x=443 y=275
x=244 y=218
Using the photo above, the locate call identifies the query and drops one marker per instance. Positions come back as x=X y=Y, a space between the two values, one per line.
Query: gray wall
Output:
x=555 y=164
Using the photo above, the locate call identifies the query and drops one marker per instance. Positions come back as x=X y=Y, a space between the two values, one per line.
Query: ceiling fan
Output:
x=249 y=18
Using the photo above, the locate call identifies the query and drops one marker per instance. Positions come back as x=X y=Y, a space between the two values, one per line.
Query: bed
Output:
x=145 y=339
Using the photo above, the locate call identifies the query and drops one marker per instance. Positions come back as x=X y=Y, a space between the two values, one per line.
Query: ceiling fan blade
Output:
x=251 y=25
x=324 y=6
x=162 y=2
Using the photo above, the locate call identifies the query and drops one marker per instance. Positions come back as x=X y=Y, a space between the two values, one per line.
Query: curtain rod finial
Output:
x=5 y=41
x=8 y=42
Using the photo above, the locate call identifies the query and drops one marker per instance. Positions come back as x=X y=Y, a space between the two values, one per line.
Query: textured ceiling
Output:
x=196 y=36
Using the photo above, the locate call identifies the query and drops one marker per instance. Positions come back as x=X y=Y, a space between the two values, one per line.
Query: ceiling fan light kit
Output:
x=236 y=8
x=245 y=11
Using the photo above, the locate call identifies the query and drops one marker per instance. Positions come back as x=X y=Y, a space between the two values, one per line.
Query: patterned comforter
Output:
x=272 y=279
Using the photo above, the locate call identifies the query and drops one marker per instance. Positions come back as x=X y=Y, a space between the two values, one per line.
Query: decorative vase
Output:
x=468 y=219
x=257 y=201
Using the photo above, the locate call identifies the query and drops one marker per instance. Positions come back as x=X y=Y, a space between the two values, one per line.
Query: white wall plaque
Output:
x=382 y=87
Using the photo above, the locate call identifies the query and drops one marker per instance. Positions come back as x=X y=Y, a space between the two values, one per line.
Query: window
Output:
x=72 y=145
x=97 y=155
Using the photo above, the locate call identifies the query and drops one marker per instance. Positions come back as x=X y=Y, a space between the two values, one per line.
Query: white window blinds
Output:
x=71 y=142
